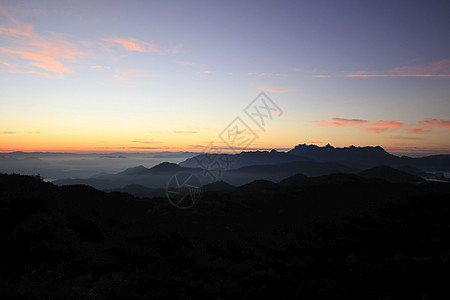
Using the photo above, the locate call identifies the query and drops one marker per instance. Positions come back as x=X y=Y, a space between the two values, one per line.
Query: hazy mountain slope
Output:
x=155 y=177
x=280 y=171
x=140 y=191
x=218 y=186
x=158 y=176
x=243 y=159
x=390 y=174
x=246 y=167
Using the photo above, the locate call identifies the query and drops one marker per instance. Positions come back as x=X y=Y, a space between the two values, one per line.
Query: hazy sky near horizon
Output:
x=173 y=75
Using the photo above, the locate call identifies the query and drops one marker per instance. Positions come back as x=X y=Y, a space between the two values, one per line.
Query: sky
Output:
x=136 y=76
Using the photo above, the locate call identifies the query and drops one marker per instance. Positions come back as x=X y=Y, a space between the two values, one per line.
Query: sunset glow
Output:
x=141 y=76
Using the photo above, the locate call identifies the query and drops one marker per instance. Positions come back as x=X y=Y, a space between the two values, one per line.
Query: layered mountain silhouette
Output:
x=158 y=176
x=243 y=159
x=160 y=168
x=383 y=173
x=154 y=178
x=245 y=167
x=356 y=157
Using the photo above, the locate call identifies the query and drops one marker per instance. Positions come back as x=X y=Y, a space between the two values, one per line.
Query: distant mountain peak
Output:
x=134 y=170
x=166 y=166
x=236 y=161
x=218 y=186
x=258 y=185
x=363 y=156
x=330 y=147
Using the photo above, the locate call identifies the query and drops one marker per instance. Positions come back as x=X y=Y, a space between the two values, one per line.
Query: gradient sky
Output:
x=171 y=75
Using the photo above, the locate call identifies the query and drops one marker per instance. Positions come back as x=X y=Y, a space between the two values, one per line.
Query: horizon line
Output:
x=227 y=150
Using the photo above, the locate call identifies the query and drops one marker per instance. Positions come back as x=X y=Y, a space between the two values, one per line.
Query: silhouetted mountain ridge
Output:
x=357 y=156
x=218 y=186
x=243 y=159
x=352 y=156
x=162 y=167
x=134 y=170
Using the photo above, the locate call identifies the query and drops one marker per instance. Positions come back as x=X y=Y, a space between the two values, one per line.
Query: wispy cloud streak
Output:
x=439 y=68
x=363 y=125
x=133 y=44
x=273 y=89
x=28 y=52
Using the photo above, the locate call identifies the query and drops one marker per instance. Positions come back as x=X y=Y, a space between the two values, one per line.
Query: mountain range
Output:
x=245 y=167
x=382 y=228
x=356 y=157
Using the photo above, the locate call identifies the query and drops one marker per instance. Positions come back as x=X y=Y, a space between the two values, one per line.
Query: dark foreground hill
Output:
x=336 y=236
x=390 y=174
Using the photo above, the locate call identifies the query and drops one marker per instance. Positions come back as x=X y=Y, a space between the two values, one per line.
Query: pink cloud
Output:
x=428 y=122
x=100 y=67
x=17 y=71
x=25 y=31
x=205 y=72
x=422 y=127
x=5 y=63
x=391 y=124
x=46 y=63
x=321 y=76
x=328 y=123
x=350 y=121
x=28 y=52
x=417 y=130
x=273 y=90
x=55 y=46
x=441 y=65
x=373 y=129
x=132 y=44
x=42 y=61
x=363 y=125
